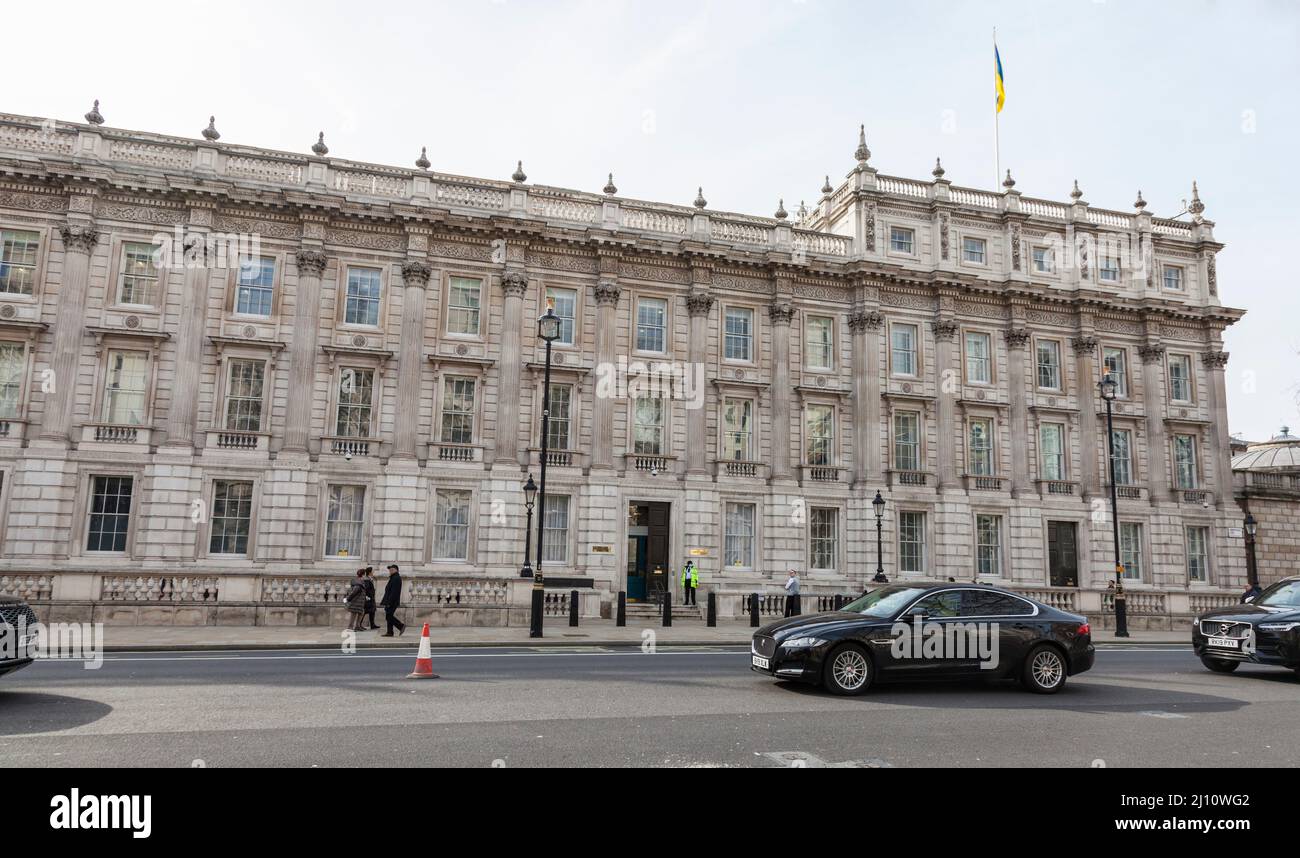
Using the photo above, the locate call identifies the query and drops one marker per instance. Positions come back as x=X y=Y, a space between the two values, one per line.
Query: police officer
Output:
x=690 y=582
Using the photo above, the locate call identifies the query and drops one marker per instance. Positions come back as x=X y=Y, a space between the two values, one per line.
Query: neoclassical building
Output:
x=231 y=375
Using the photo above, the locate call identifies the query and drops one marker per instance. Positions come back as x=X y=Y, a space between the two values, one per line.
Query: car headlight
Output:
x=802 y=643
x=1278 y=627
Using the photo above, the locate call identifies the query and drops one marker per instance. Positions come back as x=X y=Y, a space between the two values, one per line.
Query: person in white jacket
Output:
x=792 y=606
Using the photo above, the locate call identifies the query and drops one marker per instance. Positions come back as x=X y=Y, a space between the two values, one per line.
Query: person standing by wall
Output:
x=690 y=583
x=392 y=601
x=792 y=601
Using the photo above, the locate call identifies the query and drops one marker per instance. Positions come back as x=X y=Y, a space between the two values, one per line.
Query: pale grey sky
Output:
x=755 y=100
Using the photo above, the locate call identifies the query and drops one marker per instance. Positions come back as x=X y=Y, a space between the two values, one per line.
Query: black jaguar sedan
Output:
x=945 y=632
x=1265 y=631
x=17 y=635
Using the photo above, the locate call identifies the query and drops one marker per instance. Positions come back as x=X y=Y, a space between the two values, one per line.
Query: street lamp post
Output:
x=1251 y=527
x=879 y=504
x=548 y=329
x=1109 y=387
x=530 y=501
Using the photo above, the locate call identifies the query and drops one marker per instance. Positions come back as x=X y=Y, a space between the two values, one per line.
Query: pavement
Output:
x=557 y=634
x=1141 y=706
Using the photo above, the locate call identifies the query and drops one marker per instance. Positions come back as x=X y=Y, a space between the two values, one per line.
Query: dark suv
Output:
x=17 y=635
x=1264 y=631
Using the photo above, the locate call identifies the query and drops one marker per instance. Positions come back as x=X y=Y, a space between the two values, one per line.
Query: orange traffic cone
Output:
x=424 y=660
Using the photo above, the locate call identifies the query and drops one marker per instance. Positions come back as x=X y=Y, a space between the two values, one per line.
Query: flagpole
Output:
x=997 y=126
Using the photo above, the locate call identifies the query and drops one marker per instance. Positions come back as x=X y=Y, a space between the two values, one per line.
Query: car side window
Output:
x=939 y=605
x=990 y=604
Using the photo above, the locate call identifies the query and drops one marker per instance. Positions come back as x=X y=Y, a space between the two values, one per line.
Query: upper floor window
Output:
x=902 y=240
x=139 y=281
x=648 y=426
x=458 y=409
x=245 y=383
x=110 y=514
x=651 y=325
x=1173 y=278
x=232 y=517
x=974 y=250
x=1051 y=448
x=1180 y=378
x=737 y=429
x=18 y=255
x=362 y=306
x=561 y=420
x=1109 y=269
x=1049 y=364
x=13 y=367
x=979 y=368
x=981 y=447
x=1044 y=261
x=1122 y=456
x=903 y=345
x=820 y=434
x=1115 y=364
x=356 y=392
x=255 y=293
x=739 y=340
x=126 y=383
x=907 y=441
x=819 y=342
x=464 y=306
x=566 y=307
x=1185 y=471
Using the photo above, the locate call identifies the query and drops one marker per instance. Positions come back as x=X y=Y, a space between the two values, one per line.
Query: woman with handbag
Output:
x=356 y=602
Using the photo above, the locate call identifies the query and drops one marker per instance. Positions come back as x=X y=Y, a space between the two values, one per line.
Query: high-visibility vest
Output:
x=693 y=575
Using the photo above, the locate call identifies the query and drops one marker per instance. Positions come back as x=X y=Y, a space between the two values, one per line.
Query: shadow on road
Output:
x=23 y=713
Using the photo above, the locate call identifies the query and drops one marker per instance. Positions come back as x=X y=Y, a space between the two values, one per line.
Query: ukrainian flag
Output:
x=1000 y=82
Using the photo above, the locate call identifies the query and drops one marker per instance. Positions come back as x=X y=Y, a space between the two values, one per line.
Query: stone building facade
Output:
x=1268 y=487
x=359 y=381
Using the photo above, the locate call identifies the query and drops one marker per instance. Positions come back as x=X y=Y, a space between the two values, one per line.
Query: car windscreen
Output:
x=1284 y=594
x=885 y=602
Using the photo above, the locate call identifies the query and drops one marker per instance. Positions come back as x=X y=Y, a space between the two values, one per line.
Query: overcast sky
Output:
x=755 y=100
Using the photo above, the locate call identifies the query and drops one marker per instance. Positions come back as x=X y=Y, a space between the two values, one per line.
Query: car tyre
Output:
x=1045 y=670
x=848 y=671
x=1220 y=665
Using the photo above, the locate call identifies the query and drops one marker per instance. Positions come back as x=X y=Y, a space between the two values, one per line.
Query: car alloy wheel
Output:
x=1045 y=671
x=849 y=671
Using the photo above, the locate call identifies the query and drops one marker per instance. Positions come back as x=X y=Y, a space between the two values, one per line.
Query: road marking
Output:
x=804 y=760
x=404 y=655
x=1166 y=715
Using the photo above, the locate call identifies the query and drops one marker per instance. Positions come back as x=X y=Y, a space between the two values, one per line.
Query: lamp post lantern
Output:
x=548 y=329
x=1251 y=526
x=1109 y=388
x=530 y=502
x=879 y=504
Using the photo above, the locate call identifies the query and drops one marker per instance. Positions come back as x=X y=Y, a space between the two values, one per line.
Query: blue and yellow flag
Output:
x=999 y=81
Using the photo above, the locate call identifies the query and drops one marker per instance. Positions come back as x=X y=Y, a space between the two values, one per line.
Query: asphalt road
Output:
x=1146 y=707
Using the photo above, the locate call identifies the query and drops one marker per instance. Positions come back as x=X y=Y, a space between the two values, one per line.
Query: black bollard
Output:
x=712 y=618
x=573 y=609
x=621 y=619
x=668 y=609
x=753 y=611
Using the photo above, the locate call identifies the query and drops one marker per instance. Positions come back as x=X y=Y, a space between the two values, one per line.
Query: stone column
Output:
x=410 y=361
x=302 y=356
x=514 y=284
x=1085 y=361
x=181 y=416
x=781 y=314
x=945 y=338
x=865 y=328
x=1216 y=362
x=78 y=244
x=1153 y=402
x=1017 y=341
x=602 y=441
x=698 y=304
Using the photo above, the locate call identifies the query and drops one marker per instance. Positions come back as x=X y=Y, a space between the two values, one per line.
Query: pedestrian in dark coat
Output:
x=369 y=583
x=356 y=602
x=392 y=601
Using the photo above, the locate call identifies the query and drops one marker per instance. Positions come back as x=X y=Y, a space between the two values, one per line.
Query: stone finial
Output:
x=863 y=154
x=610 y=188
x=319 y=146
x=1196 y=207
x=1008 y=182
x=423 y=161
x=519 y=175
x=803 y=210
x=781 y=213
x=211 y=132
x=1141 y=203
x=700 y=201
x=1076 y=194
x=827 y=190
x=94 y=117
x=938 y=171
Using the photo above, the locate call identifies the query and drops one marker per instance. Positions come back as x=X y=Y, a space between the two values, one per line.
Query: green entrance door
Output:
x=636 y=568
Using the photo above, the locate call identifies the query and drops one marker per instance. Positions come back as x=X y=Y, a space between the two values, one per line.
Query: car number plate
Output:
x=1225 y=643
x=762 y=663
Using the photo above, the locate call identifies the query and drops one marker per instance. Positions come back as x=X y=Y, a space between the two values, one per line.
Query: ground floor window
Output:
x=911 y=542
x=232 y=515
x=988 y=545
x=823 y=540
x=739 y=536
x=451 y=524
x=1198 y=555
x=555 y=519
x=345 y=521
x=1130 y=550
x=110 y=513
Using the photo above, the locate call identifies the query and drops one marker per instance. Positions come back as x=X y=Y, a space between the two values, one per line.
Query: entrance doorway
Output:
x=1063 y=553
x=647 y=551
